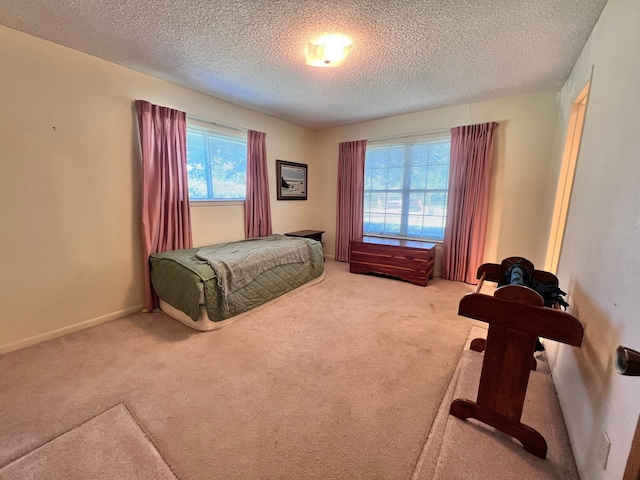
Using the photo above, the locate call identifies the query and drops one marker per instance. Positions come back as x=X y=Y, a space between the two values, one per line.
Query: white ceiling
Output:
x=407 y=56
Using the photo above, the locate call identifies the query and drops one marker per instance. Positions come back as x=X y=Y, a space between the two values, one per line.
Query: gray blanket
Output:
x=238 y=263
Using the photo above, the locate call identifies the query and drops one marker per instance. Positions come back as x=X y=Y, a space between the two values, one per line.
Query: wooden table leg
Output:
x=531 y=440
x=479 y=344
x=503 y=385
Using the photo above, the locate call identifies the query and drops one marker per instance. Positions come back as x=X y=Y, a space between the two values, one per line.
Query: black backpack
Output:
x=551 y=294
x=520 y=275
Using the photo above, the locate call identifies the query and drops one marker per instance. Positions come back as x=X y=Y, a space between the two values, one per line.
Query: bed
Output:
x=209 y=287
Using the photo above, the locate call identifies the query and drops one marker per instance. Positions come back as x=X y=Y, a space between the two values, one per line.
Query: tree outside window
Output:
x=405 y=193
x=216 y=165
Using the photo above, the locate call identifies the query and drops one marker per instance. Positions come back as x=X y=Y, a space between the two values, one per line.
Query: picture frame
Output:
x=291 y=180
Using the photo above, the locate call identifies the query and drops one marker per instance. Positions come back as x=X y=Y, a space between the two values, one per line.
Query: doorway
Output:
x=565 y=179
x=632 y=472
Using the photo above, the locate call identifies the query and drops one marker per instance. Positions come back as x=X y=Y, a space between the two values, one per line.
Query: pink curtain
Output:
x=166 y=221
x=468 y=202
x=257 y=210
x=350 y=196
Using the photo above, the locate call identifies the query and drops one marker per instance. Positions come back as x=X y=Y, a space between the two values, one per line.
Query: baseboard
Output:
x=27 y=342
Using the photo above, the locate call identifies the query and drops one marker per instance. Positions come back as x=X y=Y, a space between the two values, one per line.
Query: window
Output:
x=216 y=164
x=405 y=188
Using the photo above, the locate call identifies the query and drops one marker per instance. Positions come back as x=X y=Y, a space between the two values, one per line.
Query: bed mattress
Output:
x=188 y=286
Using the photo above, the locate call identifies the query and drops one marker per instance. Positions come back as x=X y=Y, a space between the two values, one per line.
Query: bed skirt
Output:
x=204 y=324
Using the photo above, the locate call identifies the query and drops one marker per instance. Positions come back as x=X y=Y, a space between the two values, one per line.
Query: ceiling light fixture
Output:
x=328 y=51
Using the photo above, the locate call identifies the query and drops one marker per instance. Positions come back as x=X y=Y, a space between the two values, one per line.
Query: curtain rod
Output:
x=407 y=135
x=219 y=124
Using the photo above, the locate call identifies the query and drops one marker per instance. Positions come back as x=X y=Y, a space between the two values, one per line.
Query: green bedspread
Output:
x=180 y=279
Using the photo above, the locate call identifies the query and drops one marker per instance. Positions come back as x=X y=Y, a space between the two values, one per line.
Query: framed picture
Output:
x=292 y=180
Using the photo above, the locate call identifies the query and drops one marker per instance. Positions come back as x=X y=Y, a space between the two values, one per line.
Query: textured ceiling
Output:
x=407 y=55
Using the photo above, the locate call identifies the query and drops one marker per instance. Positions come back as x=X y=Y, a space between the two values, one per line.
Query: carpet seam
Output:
x=417 y=468
x=144 y=432
x=62 y=434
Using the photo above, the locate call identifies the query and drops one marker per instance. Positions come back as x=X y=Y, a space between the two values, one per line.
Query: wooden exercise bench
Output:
x=517 y=317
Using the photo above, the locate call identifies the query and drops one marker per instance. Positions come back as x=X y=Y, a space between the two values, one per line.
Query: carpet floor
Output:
x=110 y=445
x=339 y=381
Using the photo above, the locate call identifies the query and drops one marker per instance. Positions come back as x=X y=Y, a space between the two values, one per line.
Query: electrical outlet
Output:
x=603 y=449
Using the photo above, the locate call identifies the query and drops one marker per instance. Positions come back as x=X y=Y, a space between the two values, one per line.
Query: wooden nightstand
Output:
x=312 y=234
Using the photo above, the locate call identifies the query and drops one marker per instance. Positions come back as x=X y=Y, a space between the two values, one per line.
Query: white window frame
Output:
x=224 y=133
x=406 y=190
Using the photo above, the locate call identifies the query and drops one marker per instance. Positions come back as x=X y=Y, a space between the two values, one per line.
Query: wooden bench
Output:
x=409 y=260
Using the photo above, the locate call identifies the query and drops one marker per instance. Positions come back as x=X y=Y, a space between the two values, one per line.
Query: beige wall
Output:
x=71 y=201
x=524 y=142
x=600 y=257
x=69 y=185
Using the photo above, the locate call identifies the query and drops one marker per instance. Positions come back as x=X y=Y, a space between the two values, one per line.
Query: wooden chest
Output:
x=408 y=260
